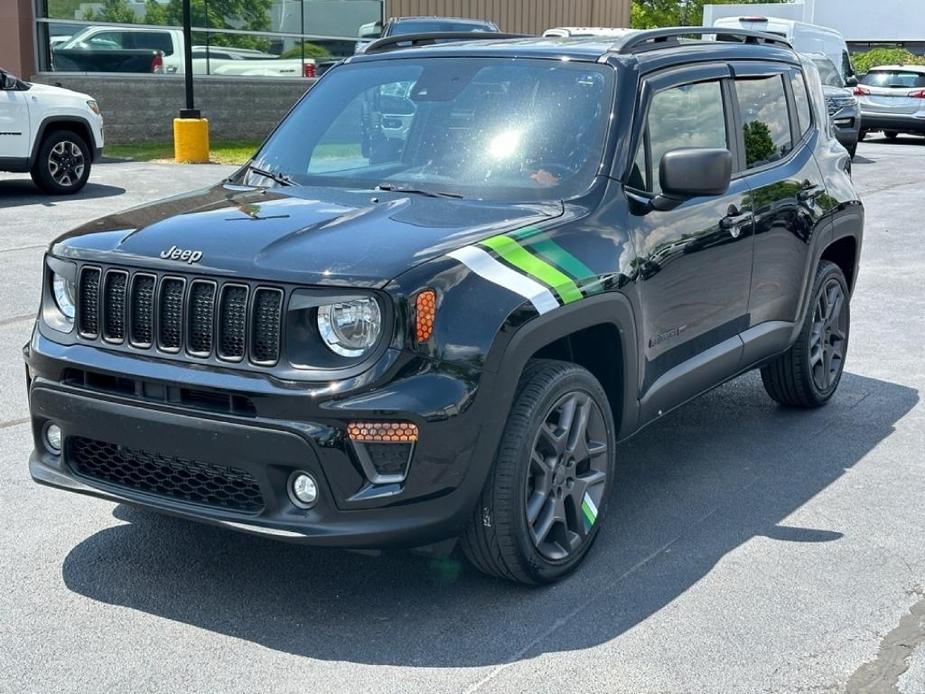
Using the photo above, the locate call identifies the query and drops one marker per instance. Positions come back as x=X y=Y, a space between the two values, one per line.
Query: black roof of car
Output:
x=655 y=45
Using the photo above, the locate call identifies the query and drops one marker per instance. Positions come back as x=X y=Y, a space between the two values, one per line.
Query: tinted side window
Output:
x=765 y=120
x=154 y=40
x=687 y=116
x=801 y=99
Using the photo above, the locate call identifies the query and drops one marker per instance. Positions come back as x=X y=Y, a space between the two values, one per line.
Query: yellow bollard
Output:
x=191 y=140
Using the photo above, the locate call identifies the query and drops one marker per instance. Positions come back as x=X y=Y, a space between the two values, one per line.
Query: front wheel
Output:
x=544 y=500
x=890 y=134
x=63 y=163
x=808 y=374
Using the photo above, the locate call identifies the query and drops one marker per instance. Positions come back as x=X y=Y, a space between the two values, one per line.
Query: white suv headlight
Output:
x=64 y=291
x=350 y=328
x=93 y=106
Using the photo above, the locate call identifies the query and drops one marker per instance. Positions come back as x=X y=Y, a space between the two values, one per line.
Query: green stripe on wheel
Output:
x=517 y=256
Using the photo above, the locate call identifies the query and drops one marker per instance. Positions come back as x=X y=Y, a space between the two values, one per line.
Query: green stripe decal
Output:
x=513 y=253
x=565 y=261
x=589 y=511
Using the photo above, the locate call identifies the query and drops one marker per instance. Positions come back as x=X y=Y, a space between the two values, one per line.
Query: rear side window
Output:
x=154 y=40
x=765 y=119
x=801 y=99
x=687 y=116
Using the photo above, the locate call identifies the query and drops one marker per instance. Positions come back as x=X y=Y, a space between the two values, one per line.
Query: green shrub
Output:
x=312 y=50
x=863 y=62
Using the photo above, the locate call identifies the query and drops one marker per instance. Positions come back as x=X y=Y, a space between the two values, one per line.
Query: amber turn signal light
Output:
x=383 y=432
x=425 y=312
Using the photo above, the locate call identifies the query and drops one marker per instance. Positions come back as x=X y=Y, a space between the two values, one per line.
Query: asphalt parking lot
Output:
x=748 y=548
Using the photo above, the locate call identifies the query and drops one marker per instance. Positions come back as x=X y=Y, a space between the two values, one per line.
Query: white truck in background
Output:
x=160 y=51
x=805 y=38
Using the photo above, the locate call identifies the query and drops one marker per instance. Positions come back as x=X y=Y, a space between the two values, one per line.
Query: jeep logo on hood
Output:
x=174 y=253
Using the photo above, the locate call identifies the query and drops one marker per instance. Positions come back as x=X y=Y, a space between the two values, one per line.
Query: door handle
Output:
x=809 y=193
x=734 y=221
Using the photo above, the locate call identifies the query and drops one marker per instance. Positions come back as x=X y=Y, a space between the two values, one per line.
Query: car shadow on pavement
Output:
x=22 y=191
x=707 y=478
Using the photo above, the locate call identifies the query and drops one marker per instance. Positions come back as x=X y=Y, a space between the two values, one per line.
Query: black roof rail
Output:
x=655 y=39
x=399 y=41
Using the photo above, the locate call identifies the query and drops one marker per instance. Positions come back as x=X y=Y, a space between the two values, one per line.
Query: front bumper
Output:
x=907 y=123
x=448 y=468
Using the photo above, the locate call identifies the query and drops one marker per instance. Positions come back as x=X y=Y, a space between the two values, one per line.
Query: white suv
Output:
x=52 y=133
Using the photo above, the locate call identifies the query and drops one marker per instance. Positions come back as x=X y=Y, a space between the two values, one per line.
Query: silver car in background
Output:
x=892 y=99
x=842 y=105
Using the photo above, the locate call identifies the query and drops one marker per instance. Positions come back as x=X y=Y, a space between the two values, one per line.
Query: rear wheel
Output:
x=543 y=503
x=808 y=374
x=62 y=165
x=890 y=134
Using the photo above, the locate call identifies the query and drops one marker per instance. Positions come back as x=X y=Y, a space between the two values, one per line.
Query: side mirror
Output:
x=692 y=172
x=851 y=81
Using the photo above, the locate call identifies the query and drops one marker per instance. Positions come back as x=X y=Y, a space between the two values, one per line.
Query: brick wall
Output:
x=140 y=108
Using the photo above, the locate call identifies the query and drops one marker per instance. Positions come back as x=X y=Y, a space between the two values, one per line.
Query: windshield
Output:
x=903 y=79
x=429 y=26
x=828 y=73
x=507 y=129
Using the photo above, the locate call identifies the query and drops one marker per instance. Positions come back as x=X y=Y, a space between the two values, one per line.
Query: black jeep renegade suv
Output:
x=446 y=287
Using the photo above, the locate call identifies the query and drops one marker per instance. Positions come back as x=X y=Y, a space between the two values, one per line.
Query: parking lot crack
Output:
x=882 y=674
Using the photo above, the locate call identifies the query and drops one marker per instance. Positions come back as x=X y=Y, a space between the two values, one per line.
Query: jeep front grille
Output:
x=192 y=317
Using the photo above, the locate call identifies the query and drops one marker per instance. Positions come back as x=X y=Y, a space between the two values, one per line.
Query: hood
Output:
x=303 y=235
x=830 y=90
x=57 y=92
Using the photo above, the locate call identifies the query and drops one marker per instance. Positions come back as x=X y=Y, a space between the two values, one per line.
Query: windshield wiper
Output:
x=280 y=178
x=391 y=188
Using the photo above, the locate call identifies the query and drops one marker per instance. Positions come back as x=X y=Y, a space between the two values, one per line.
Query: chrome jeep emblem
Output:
x=188 y=256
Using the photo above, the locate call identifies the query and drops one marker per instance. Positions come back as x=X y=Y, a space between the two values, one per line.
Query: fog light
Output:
x=53 y=438
x=303 y=490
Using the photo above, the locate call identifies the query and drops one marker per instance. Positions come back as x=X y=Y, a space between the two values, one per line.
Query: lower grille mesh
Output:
x=177 y=478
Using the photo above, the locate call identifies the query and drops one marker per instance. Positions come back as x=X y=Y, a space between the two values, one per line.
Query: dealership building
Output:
x=865 y=24
x=128 y=53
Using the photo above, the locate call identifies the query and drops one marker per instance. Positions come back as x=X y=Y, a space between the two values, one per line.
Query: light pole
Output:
x=190 y=130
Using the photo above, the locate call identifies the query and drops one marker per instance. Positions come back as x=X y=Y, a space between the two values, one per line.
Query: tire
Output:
x=890 y=134
x=63 y=163
x=808 y=374
x=542 y=467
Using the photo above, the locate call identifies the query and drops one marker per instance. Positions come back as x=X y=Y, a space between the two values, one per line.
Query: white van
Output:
x=806 y=38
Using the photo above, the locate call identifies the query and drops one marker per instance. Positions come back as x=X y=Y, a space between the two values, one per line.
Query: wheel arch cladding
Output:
x=72 y=124
x=844 y=253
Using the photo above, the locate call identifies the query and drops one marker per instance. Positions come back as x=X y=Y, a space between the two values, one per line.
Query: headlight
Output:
x=350 y=328
x=64 y=291
x=93 y=106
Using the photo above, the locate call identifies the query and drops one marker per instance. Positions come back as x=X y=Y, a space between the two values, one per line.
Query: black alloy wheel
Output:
x=568 y=472
x=545 y=498
x=829 y=335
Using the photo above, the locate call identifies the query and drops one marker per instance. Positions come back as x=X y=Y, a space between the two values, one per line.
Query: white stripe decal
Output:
x=482 y=264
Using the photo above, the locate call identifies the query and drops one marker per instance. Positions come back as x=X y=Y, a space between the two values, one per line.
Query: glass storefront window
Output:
x=250 y=38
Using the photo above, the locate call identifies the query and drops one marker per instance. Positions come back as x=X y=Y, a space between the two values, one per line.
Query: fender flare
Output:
x=72 y=120
x=507 y=362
